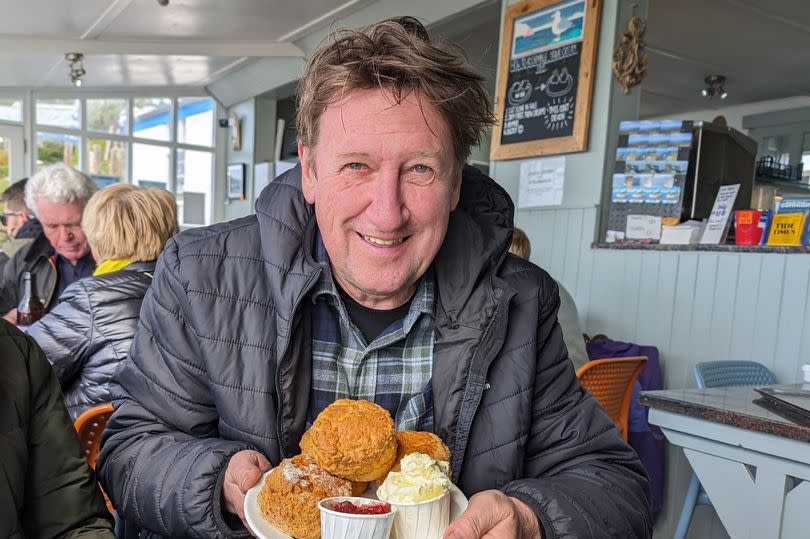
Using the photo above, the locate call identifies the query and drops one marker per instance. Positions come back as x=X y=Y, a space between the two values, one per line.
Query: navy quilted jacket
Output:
x=221 y=362
x=89 y=333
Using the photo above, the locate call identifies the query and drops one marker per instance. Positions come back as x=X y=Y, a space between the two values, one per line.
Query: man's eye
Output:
x=355 y=166
x=421 y=169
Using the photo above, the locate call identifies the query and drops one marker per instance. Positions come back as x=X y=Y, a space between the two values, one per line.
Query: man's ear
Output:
x=308 y=177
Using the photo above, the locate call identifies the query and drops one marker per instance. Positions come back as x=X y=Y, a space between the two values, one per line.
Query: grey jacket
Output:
x=221 y=362
x=88 y=334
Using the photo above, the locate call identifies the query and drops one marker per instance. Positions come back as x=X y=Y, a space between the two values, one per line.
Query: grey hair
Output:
x=60 y=184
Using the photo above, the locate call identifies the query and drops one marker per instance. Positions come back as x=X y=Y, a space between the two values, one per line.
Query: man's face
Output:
x=383 y=181
x=15 y=219
x=62 y=226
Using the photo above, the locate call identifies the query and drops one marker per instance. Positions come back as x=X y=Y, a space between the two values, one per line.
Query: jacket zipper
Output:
x=282 y=435
x=474 y=392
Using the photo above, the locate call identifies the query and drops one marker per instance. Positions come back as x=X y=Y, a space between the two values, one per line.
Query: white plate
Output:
x=264 y=530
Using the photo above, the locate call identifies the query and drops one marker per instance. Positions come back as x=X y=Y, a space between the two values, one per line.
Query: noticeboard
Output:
x=545 y=83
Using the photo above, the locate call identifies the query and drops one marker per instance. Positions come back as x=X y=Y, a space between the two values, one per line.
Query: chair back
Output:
x=732 y=373
x=611 y=382
x=89 y=427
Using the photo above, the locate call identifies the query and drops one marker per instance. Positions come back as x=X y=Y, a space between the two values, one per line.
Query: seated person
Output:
x=60 y=255
x=376 y=269
x=567 y=316
x=46 y=487
x=89 y=332
x=20 y=225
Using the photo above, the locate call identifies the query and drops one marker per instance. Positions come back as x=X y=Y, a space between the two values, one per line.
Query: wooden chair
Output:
x=611 y=382
x=89 y=426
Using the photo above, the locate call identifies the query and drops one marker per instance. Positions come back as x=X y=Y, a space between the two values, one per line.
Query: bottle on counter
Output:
x=30 y=309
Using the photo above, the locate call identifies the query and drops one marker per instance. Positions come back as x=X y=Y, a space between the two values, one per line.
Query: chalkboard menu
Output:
x=546 y=81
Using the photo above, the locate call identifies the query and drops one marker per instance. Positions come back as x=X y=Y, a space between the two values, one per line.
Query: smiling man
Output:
x=376 y=270
x=60 y=254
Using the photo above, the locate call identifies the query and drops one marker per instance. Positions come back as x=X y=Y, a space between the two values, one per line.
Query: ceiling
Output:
x=762 y=47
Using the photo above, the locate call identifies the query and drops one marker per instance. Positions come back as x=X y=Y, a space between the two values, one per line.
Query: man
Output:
x=59 y=255
x=371 y=271
x=46 y=487
x=20 y=225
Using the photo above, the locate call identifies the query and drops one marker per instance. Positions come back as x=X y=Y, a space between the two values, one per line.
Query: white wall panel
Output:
x=694 y=306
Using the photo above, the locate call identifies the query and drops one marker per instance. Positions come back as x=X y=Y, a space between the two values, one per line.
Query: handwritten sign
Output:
x=717 y=226
x=543 y=103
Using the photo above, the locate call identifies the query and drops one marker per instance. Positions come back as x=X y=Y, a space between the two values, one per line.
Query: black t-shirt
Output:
x=372 y=322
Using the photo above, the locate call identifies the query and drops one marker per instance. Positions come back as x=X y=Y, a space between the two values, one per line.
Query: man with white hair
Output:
x=60 y=255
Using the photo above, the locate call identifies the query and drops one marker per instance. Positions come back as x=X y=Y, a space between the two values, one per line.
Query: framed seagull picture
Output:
x=545 y=79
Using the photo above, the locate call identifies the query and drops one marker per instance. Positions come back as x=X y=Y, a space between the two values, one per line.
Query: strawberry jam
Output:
x=374 y=508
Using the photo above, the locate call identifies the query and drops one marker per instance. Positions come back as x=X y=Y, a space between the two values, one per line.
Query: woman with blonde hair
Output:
x=89 y=332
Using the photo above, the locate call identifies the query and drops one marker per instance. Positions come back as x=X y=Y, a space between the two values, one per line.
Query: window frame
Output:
x=85 y=134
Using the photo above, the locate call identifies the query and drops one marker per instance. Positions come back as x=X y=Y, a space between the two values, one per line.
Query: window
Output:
x=151 y=118
x=11 y=110
x=195 y=171
x=150 y=141
x=195 y=121
x=107 y=158
x=59 y=113
x=778 y=147
x=55 y=147
x=108 y=116
x=150 y=165
x=806 y=158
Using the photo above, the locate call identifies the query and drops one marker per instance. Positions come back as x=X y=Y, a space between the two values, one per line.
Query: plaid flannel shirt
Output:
x=394 y=370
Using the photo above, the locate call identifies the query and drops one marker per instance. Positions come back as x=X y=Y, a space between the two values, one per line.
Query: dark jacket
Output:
x=35 y=257
x=46 y=487
x=87 y=335
x=25 y=235
x=221 y=362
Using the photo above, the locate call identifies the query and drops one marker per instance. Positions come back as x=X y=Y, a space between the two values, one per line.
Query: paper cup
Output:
x=425 y=520
x=337 y=525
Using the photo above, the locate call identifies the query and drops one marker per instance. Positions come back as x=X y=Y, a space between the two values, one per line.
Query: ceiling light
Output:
x=75 y=61
x=715 y=86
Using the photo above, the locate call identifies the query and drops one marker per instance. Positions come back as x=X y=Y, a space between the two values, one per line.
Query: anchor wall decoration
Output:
x=630 y=54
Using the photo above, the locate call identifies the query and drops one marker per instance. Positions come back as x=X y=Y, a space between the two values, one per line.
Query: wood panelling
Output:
x=694 y=306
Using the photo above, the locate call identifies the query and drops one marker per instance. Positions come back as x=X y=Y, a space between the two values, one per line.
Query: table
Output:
x=753 y=464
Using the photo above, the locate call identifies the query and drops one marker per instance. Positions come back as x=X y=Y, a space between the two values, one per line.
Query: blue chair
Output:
x=718 y=374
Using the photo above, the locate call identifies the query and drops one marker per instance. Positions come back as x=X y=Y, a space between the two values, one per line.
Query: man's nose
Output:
x=388 y=210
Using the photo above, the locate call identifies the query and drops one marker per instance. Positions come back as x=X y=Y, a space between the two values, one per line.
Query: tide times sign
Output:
x=545 y=84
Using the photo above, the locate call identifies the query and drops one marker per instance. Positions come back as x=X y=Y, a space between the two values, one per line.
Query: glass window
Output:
x=59 y=112
x=107 y=116
x=777 y=147
x=106 y=160
x=11 y=110
x=194 y=178
x=806 y=158
x=195 y=120
x=5 y=150
x=152 y=118
x=150 y=165
x=55 y=147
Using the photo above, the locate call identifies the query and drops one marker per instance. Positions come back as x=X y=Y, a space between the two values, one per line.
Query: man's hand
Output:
x=244 y=469
x=11 y=316
x=492 y=514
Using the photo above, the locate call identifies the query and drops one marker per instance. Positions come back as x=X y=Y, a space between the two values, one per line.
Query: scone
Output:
x=353 y=439
x=412 y=441
x=290 y=494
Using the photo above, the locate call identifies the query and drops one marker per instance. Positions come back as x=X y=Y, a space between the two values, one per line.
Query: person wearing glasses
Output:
x=60 y=255
x=18 y=221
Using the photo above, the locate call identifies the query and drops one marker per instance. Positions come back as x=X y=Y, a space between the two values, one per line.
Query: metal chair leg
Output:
x=689 y=503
